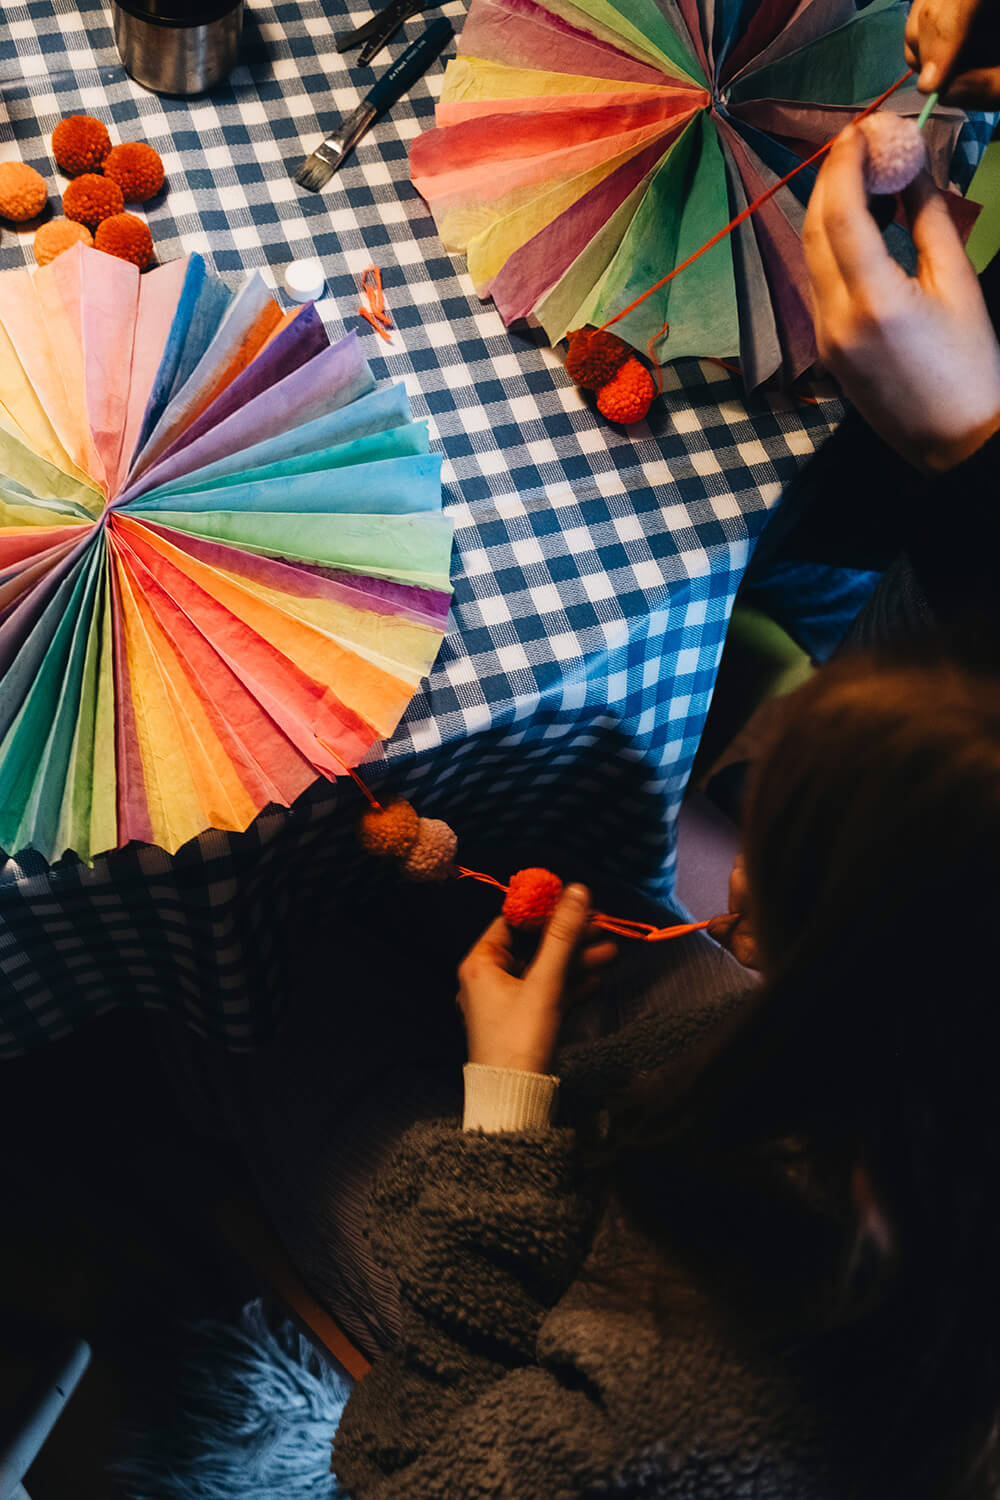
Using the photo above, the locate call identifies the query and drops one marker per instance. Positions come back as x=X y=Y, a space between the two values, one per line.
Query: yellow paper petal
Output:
x=23 y=410
x=15 y=511
x=183 y=762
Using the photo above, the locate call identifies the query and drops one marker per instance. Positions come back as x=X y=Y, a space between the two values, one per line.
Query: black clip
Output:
x=373 y=35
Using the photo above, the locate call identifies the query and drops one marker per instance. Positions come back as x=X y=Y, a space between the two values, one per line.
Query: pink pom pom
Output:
x=433 y=855
x=896 y=152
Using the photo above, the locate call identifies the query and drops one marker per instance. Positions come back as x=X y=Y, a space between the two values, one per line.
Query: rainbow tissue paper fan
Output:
x=584 y=148
x=223 y=563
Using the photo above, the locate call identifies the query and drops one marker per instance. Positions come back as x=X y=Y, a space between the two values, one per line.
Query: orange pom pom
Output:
x=389 y=830
x=137 y=169
x=79 y=144
x=91 y=199
x=594 y=357
x=57 y=235
x=629 y=396
x=127 y=237
x=531 y=897
x=23 y=193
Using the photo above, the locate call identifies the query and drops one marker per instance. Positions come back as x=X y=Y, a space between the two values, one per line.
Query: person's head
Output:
x=872 y=844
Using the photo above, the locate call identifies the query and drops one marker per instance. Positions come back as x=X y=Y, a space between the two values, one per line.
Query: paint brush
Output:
x=317 y=169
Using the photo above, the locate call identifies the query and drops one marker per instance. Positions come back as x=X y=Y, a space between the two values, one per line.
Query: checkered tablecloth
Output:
x=594 y=569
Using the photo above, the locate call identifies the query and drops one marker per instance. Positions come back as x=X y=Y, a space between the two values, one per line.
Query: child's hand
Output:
x=916 y=354
x=733 y=929
x=512 y=1011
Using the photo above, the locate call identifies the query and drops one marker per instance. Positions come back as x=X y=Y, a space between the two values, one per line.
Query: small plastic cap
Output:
x=304 y=280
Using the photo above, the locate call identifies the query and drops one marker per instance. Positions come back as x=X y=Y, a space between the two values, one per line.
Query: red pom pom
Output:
x=90 y=199
x=627 y=398
x=80 y=143
x=126 y=237
x=137 y=169
x=532 y=897
x=594 y=357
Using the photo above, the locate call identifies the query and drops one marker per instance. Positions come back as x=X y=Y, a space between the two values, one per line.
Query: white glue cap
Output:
x=304 y=280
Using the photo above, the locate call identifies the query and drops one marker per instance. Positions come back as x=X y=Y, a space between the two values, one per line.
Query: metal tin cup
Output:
x=178 y=46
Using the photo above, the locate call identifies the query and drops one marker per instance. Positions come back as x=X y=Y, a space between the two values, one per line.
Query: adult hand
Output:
x=733 y=929
x=955 y=46
x=916 y=354
x=511 y=1010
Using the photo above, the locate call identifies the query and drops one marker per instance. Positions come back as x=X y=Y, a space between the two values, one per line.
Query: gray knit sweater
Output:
x=523 y=1373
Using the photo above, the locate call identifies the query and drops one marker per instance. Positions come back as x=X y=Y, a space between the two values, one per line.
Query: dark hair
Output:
x=872 y=842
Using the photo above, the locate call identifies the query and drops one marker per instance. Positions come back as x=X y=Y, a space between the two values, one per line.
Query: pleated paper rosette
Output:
x=584 y=148
x=224 y=568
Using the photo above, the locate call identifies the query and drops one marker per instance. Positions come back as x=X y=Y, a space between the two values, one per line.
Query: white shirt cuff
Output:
x=506 y=1099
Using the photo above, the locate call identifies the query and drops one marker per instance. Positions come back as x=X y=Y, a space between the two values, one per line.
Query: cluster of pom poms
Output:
x=532 y=897
x=104 y=178
x=81 y=144
x=600 y=361
x=23 y=193
x=425 y=847
x=895 y=152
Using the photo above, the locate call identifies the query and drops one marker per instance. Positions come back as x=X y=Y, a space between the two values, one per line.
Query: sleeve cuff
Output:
x=506 y=1099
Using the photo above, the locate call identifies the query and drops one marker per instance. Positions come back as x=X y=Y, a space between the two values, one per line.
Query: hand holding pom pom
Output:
x=917 y=355
x=896 y=152
x=512 y=1013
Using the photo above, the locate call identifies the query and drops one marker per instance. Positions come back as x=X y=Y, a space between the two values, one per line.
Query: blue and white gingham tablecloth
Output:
x=594 y=569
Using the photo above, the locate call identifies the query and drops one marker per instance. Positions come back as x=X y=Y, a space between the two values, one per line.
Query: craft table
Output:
x=594 y=568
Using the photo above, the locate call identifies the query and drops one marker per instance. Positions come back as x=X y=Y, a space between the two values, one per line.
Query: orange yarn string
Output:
x=371 y=285
x=465 y=874
x=645 y=932
x=352 y=774
x=369 y=317
x=751 y=208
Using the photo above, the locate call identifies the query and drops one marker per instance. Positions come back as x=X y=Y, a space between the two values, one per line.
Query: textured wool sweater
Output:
x=524 y=1372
